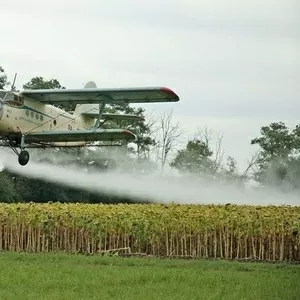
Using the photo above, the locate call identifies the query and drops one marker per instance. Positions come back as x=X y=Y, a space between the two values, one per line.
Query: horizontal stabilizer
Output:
x=114 y=117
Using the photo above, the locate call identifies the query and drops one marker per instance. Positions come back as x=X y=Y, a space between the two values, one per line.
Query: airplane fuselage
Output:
x=25 y=115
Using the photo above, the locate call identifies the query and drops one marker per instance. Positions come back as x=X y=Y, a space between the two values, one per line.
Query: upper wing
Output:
x=96 y=95
x=79 y=136
x=114 y=116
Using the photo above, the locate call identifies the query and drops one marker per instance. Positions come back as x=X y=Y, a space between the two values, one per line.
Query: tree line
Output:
x=159 y=146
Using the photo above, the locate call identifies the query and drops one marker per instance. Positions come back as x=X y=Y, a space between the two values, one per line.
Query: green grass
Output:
x=58 y=276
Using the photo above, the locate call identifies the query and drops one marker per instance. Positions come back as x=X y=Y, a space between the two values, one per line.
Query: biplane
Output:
x=35 y=118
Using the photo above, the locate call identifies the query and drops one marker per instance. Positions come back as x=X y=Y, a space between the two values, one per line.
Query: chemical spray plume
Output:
x=153 y=188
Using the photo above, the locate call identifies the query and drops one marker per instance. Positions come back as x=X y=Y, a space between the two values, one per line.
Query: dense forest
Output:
x=276 y=164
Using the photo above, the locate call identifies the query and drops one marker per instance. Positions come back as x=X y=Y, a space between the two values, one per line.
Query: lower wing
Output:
x=121 y=117
x=79 y=136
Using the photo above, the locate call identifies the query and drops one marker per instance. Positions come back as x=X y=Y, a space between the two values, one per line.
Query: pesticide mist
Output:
x=181 y=189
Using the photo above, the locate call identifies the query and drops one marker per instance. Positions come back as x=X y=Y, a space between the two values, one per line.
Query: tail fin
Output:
x=87 y=108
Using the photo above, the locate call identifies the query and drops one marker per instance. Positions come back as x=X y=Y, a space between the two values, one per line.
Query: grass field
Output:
x=61 y=276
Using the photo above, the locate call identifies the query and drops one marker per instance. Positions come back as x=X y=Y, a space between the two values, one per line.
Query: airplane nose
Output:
x=1 y=109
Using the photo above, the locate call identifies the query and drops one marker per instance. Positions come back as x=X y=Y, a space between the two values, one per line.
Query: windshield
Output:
x=11 y=97
x=7 y=95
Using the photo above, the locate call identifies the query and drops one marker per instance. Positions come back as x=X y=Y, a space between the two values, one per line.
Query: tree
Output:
x=37 y=83
x=3 y=79
x=8 y=192
x=205 y=135
x=277 y=155
x=142 y=129
x=252 y=163
x=231 y=166
x=169 y=135
x=230 y=174
x=195 y=158
x=276 y=141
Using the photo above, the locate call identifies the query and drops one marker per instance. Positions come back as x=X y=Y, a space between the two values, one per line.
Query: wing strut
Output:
x=101 y=110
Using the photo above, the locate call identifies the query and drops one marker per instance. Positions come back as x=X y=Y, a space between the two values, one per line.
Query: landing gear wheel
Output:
x=23 y=158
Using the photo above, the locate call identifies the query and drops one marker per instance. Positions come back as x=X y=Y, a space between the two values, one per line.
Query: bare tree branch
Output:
x=251 y=164
x=151 y=121
x=219 y=153
x=169 y=137
x=205 y=135
x=153 y=125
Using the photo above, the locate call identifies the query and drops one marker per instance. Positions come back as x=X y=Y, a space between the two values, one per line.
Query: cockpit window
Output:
x=6 y=96
x=11 y=98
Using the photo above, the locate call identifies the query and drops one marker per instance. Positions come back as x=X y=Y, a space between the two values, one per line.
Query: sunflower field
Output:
x=202 y=231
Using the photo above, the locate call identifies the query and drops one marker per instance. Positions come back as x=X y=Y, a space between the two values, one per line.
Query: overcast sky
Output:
x=234 y=64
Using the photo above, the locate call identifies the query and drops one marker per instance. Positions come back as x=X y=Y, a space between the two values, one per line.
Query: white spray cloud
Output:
x=149 y=187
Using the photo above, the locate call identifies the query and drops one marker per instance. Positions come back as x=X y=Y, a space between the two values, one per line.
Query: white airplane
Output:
x=30 y=120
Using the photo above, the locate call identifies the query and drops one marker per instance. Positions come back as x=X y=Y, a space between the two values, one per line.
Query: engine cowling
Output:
x=1 y=109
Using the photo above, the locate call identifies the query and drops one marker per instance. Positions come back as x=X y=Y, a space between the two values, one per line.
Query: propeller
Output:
x=2 y=100
x=11 y=89
x=13 y=85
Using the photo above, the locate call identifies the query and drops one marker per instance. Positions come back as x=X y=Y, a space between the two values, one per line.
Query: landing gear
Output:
x=23 y=158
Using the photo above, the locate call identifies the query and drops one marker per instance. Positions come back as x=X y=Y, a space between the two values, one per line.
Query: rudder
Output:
x=87 y=108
